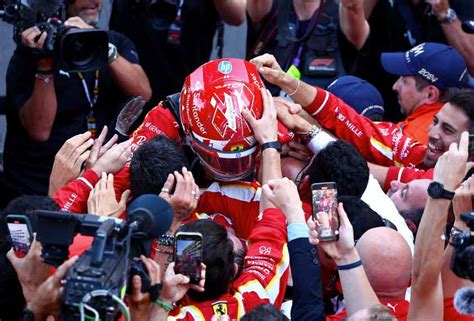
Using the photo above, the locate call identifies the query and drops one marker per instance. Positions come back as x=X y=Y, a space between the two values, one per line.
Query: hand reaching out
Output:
x=114 y=158
x=340 y=251
x=185 y=196
x=264 y=129
x=48 y=300
x=68 y=161
x=102 y=200
x=31 y=270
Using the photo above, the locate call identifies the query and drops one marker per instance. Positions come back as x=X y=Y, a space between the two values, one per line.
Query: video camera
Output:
x=462 y=262
x=98 y=279
x=74 y=49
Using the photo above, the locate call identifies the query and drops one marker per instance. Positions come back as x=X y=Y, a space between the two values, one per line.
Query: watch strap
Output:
x=275 y=144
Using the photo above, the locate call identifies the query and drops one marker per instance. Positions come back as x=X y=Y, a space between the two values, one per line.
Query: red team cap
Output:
x=212 y=100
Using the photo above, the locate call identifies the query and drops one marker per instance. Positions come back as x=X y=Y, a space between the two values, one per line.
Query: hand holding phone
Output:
x=188 y=255
x=21 y=233
x=324 y=205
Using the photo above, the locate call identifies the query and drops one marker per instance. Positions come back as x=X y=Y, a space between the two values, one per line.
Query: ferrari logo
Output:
x=220 y=308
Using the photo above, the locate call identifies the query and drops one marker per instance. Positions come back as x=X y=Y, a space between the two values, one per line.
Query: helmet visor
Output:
x=225 y=166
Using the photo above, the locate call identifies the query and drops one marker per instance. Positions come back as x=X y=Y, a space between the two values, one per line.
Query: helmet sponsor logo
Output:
x=236 y=148
x=225 y=67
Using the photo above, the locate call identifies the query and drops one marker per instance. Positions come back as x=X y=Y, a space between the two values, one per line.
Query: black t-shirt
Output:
x=165 y=64
x=28 y=163
x=388 y=34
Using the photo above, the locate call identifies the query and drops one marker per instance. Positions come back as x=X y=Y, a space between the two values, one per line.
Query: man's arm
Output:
x=130 y=78
x=379 y=172
x=358 y=293
x=462 y=203
x=258 y=9
x=380 y=143
x=125 y=69
x=38 y=113
x=353 y=23
x=461 y=41
x=427 y=295
x=231 y=12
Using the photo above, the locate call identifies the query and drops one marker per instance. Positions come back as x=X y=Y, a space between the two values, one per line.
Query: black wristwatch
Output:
x=275 y=144
x=27 y=315
x=436 y=190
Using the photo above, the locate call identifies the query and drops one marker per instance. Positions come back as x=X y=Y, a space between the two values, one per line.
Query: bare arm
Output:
x=231 y=12
x=462 y=203
x=300 y=92
x=257 y=9
x=358 y=293
x=38 y=113
x=265 y=131
x=353 y=22
x=427 y=295
x=130 y=78
x=461 y=41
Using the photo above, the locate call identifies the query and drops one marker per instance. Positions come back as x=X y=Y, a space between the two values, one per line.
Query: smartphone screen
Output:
x=20 y=234
x=324 y=199
x=188 y=255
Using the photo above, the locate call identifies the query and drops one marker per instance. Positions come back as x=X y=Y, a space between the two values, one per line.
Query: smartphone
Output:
x=21 y=233
x=188 y=255
x=324 y=201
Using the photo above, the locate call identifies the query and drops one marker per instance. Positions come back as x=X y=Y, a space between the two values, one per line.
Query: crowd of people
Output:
x=374 y=99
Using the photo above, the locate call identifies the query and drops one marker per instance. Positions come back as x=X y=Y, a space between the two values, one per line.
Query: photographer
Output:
x=48 y=105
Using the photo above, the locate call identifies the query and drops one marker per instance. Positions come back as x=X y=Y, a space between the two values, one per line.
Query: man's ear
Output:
x=433 y=94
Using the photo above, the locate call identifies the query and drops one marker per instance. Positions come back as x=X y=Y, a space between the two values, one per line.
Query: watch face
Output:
x=435 y=189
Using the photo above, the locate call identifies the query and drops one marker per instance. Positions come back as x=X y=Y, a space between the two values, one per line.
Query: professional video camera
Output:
x=74 y=49
x=98 y=279
x=462 y=262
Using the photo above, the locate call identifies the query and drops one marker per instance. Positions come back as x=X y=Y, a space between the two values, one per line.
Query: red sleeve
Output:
x=379 y=143
x=405 y=175
x=158 y=121
x=238 y=201
x=267 y=260
x=73 y=196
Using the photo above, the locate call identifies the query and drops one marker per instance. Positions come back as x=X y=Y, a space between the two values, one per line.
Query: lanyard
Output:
x=91 y=123
x=313 y=22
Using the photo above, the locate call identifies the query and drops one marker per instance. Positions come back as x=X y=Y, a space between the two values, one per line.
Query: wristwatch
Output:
x=450 y=16
x=307 y=136
x=275 y=144
x=436 y=190
x=113 y=53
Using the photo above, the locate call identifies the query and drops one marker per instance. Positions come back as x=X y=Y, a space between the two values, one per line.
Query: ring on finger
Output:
x=193 y=192
x=165 y=190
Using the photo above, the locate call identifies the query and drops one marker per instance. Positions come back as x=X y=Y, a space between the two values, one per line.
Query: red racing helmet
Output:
x=212 y=99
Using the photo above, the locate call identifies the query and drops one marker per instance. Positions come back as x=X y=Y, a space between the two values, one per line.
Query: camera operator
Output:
x=48 y=105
